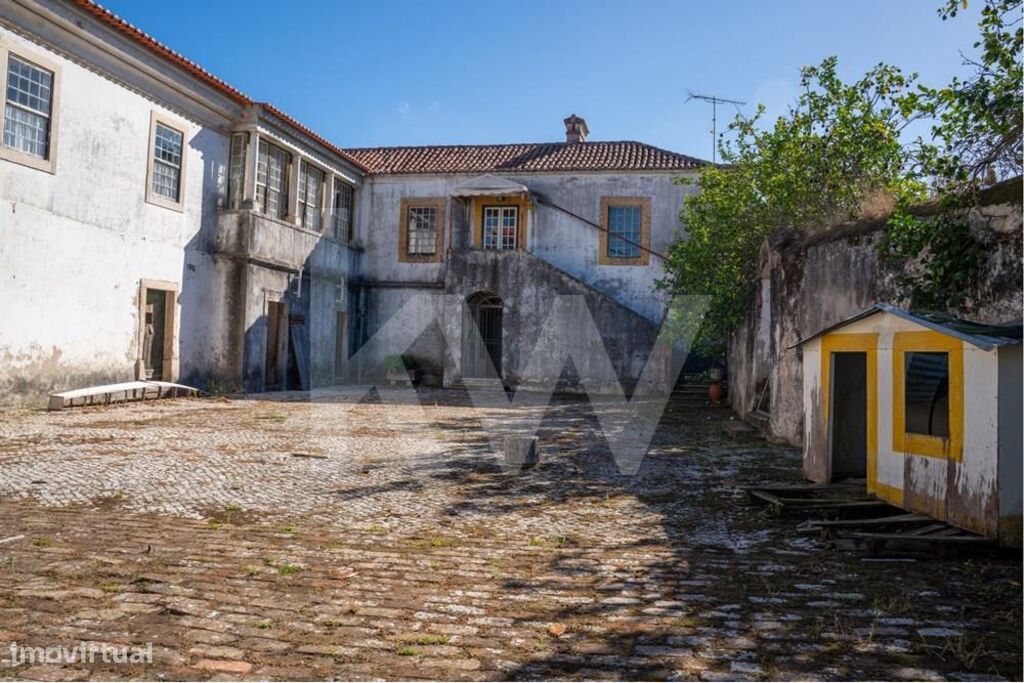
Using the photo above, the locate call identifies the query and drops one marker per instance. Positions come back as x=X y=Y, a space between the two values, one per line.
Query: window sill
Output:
x=163 y=203
x=23 y=159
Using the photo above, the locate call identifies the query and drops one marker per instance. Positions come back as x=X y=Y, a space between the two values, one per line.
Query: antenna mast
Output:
x=714 y=100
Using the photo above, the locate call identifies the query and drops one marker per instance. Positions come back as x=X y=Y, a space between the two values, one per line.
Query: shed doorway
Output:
x=481 y=353
x=848 y=421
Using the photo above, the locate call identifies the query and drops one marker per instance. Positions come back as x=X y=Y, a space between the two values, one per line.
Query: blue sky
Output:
x=393 y=72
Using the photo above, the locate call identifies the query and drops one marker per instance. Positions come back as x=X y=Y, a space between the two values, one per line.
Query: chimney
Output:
x=575 y=129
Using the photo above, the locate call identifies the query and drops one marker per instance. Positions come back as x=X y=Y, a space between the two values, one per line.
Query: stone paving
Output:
x=352 y=540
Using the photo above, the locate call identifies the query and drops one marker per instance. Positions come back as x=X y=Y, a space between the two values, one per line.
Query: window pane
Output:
x=422 y=230
x=343 y=200
x=28 y=86
x=624 y=224
x=166 y=180
x=26 y=132
x=167 y=144
x=271 y=180
x=500 y=227
x=311 y=181
x=926 y=393
x=236 y=170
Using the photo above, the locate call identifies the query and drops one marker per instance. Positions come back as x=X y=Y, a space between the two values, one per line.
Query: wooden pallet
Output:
x=841 y=499
x=906 y=530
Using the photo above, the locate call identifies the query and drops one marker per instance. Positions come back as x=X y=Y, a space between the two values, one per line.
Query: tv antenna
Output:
x=715 y=101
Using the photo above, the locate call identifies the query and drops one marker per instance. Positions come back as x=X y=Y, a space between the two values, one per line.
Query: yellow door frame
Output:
x=868 y=344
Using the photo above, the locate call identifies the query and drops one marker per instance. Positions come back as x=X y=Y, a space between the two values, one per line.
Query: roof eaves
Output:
x=983 y=342
x=305 y=130
x=121 y=26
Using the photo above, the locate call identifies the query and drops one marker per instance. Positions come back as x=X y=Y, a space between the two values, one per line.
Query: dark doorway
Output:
x=277 y=339
x=848 y=429
x=481 y=354
x=154 y=334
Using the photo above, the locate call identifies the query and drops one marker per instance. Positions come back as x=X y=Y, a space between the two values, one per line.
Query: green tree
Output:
x=836 y=148
x=976 y=135
x=975 y=140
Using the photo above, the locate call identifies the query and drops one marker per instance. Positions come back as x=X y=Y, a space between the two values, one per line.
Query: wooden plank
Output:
x=908 y=518
x=965 y=538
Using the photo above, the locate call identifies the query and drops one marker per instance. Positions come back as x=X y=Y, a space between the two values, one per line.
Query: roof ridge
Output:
x=455 y=145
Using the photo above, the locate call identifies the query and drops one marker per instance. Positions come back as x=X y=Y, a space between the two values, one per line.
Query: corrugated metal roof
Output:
x=985 y=337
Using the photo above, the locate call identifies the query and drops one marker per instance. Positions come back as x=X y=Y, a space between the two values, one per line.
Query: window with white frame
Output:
x=165 y=179
x=28 y=108
x=311 y=193
x=421 y=231
x=272 y=180
x=344 y=203
x=501 y=227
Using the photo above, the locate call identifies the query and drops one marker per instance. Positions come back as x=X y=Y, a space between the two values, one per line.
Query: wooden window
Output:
x=311 y=197
x=31 y=89
x=27 y=107
x=236 y=169
x=501 y=227
x=421 y=230
x=626 y=231
x=343 y=211
x=166 y=167
x=272 y=180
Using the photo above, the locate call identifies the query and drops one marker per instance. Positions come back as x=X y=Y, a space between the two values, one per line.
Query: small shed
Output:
x=925 y=408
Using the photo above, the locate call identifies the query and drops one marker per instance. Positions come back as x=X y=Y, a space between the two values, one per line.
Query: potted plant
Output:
x=715 y=391
x=394 y=367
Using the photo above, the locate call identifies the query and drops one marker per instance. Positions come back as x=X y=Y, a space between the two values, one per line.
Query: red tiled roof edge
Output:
x=141 y=37
x=122 y=26
x=612 y=155
x=308 y=131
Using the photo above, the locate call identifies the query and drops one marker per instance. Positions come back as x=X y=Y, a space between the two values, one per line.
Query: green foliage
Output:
x=946 y=256
x=838 y=146
x=976 y=136
x=394 y=364
x=839 y=149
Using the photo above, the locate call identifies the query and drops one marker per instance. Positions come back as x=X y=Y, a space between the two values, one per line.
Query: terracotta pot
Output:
x=715 y=392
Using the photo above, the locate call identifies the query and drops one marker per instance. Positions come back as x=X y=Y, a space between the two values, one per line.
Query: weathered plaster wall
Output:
x=75 y=244
x=553 y=236
x=808 y=283
x=528 y=287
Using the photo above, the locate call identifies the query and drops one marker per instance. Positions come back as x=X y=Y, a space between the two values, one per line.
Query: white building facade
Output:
x=157 y=223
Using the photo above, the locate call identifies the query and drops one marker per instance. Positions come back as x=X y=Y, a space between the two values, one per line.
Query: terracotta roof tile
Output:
x=139 y=36
x=527 y=157
x=546 y=156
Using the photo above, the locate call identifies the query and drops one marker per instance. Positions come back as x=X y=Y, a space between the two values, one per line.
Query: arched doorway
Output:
x=481 y=353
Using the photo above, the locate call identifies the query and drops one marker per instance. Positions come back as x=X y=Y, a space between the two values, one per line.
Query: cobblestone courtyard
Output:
x=353 y=540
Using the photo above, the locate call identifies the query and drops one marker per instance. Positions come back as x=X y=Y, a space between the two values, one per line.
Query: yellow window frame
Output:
x=949 y=448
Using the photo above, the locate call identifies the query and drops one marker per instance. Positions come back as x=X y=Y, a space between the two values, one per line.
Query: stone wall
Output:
x=811 y=281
